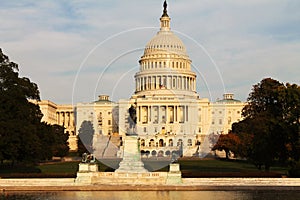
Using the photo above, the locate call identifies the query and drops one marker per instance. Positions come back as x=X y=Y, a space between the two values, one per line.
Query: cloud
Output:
x=52 y=39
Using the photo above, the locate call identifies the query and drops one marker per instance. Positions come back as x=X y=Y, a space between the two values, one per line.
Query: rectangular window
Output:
x=144 y=114
x=229 y=120
x=109 y=122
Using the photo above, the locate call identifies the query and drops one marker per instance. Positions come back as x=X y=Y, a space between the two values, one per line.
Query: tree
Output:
x=271 y=123
x=60 y=145
x=18 y=117
x=54 y=141
x=292 y=118
x=23 y=137
x=229 y=143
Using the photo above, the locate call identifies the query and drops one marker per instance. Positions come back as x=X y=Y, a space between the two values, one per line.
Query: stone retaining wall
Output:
x=189 y=184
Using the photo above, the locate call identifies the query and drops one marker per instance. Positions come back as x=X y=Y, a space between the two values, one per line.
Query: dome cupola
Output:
x=165 y=39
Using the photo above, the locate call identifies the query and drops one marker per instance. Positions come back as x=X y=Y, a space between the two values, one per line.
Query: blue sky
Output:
x=76 y=50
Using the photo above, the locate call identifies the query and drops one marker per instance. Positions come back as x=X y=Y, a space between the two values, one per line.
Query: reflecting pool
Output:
x=156 y=195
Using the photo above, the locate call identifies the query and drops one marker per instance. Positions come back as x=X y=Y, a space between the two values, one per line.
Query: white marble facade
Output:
x=170 y=115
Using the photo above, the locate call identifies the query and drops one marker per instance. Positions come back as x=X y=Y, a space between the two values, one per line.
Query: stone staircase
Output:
x=106 y=146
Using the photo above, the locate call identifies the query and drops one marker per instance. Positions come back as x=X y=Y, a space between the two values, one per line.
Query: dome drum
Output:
x=175 y=81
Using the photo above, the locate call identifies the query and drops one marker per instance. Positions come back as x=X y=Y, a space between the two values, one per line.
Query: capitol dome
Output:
x=165 y=41
x=165 y=64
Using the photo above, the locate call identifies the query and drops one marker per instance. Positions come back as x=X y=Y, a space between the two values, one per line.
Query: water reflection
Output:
x=154 y=195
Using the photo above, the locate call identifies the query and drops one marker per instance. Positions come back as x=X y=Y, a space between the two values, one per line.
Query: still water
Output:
x=157 y=195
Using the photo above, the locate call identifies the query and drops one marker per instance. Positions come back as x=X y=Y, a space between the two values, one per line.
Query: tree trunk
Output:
x=227 y=154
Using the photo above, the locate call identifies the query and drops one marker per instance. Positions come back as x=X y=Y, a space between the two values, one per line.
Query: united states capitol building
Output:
x=165 y=110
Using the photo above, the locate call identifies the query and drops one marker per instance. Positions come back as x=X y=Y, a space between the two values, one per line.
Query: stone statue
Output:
x=132 y=119
x=88 y=158
x=165 y=9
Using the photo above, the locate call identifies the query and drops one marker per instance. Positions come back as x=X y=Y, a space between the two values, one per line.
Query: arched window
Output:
x=160 y=154
x=161 y=143
x=151 y=143
x=190 y=142
x=153 y=153
x=168 y=153
x=170 y=142
x=142 y=142
x=179 y=143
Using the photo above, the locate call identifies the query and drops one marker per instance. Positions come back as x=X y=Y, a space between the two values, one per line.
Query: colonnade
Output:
x=162 y=114
x=178 y=82
x=65 y=119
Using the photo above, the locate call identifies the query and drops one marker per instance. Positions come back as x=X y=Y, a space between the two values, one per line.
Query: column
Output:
x=72 y=119
x=67 y=117
x=166 y=114
x=175 y=114
x=57 y=118
x=62 y=118
x=187 y=113
x=149 y=114
x=140 y=85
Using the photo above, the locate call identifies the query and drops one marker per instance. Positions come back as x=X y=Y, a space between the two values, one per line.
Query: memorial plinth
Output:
x=131 y=156
x=131 y=170
x=174 y=175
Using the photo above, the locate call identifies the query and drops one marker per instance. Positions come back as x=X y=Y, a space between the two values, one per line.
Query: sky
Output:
x=76 y=50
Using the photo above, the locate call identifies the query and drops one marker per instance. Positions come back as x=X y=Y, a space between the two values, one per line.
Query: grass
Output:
x=225 y=168
x=189 y=168
x=63 y=167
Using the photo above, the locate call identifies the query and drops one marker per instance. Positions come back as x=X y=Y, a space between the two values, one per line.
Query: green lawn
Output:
x=189 y=168
x=64 y=167
x=216 y=168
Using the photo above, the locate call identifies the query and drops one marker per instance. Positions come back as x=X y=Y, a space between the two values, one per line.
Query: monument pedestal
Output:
x=86 y=172
x=131 y=162
x=131 y=170
x=88 y=167
x=174 y=174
